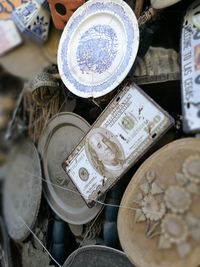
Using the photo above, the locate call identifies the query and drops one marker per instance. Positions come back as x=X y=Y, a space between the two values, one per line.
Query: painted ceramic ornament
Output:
x=33 y=20
x=62 y=10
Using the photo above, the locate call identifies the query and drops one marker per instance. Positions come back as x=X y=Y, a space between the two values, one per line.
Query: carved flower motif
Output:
x=191 y=168
x=177 y=199
x=152 y=209
x=174 y=228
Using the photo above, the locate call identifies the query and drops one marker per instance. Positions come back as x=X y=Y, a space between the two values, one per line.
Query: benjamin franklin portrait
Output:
x=105 y=152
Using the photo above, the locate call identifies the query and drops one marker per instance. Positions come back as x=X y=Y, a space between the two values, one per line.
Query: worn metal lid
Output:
x=97 y=256
x=22 y=190
x=161 y=225
x=61 y=135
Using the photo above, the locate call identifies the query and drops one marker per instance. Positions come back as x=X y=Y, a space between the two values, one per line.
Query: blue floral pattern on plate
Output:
x=97 y=49
x=117 y=8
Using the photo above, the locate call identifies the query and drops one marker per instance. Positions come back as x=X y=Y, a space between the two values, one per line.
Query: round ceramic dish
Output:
x=175 y=169
x=98 y=47
x=97 y=256
x=62 y=134
x=22 y=190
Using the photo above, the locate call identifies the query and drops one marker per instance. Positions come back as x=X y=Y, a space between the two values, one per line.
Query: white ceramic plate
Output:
x=98 y=47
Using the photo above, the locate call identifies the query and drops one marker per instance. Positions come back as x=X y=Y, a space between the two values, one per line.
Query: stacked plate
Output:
x=22 y=190
x=61 y=135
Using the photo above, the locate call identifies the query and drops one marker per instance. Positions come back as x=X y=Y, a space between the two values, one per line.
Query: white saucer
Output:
x=98 y=47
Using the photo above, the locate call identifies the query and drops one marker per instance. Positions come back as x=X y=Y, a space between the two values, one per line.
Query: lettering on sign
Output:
x=190 y=46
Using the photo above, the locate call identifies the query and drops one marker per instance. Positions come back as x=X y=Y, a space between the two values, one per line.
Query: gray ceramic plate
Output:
x=97 y=256
x=62 y=134
x=5 y=259
x=22 y=190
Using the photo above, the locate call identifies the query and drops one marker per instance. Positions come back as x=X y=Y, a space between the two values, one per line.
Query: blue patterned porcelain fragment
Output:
x=98 y=47
x=33 y=20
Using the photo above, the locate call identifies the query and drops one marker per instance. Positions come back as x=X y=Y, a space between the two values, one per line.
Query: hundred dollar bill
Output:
x=127 y=128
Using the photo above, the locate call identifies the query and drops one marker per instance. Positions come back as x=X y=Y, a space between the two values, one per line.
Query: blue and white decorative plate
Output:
x=98 y=47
